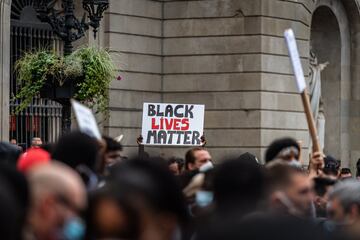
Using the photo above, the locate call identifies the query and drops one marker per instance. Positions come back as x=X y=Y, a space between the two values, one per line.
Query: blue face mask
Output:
x=74 y=229
x=204 y=198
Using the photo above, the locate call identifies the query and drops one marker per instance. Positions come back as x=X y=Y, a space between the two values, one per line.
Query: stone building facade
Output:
x=229 y=55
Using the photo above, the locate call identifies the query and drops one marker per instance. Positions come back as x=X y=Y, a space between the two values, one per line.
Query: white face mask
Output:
x=207 y=166
x=204 y=198
x=295 y=163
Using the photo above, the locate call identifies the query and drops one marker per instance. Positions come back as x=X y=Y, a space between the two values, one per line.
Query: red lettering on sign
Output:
x=185 y=124
x=153 y=124
x=168 y=123
x=161 y=123
x=177 y=122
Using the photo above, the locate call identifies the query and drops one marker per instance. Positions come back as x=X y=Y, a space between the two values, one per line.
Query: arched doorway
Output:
x=330 y=41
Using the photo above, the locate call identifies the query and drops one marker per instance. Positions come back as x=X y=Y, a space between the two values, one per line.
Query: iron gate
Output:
x=43 y=117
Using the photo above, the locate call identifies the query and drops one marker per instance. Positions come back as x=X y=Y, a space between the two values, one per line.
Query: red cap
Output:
x=32 y=157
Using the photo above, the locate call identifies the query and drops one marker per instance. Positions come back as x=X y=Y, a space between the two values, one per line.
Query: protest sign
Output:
x=172 y=124
x=86 y=120
x=295 y=60
x=301 y=84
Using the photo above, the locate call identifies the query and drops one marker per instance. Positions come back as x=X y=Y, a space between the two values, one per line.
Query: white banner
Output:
x=172 y=124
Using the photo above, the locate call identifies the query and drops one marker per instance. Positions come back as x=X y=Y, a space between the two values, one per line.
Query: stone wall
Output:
x=133 y=32
x=227 y=54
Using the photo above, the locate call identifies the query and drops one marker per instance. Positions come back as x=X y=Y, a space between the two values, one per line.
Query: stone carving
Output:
x=316 y=101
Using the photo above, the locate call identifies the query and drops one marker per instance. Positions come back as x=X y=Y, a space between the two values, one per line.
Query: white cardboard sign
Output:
x=172 y=124
x=86 y=120
x=295 y=60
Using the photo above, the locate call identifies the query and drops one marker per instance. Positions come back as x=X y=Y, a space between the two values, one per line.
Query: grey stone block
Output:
x=130 y=100
x=212 y=64
x=204 y=27
x=125 y=119
x=209 y=8
x=212 y=45
x=131 y=43
x=232 y=119
x=278 y=83
x=137 y=81
x=268 y=136
x=217 y=101
x=283 y=120
x=281 y=101
x=134 y=25
x=145 y=8
x=214 y=82
x=140 y=63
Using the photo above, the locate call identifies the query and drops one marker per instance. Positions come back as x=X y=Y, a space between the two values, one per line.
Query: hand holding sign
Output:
x=172 y=124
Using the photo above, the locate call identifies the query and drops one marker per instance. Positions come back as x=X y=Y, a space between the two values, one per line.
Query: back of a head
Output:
x=347 y=192
x=112 y=145
x=332 y=166
x=150 y=181
x=9 y=153
x=31 y=158
x=58 y=179
x=321 y=184
x=277 y=146
x=10 y=226
x=76 y=149
x=238 y=182
x=279 y=176
x=19 y=188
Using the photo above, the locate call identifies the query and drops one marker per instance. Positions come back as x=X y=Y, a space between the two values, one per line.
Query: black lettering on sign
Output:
x=195 y=138
x=188 y=111
x=150 y=135
x=162 y=137
x=170 y=136
x=151 y=110
x=179 y=136
x=176 y=111
x=168 y=111
x=187 y=135
x=159 y=114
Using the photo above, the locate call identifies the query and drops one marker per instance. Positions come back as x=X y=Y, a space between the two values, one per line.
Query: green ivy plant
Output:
x=92 y=65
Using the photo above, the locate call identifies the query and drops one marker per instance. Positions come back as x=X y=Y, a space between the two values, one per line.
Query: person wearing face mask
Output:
x=289 y=191
x=288 y=150
x=58 y=197
x=344 y=207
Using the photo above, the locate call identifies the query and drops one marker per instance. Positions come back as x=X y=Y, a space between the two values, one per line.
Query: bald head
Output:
x=57 y=179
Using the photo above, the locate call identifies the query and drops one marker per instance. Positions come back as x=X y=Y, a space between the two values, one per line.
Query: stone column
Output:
x=5 y=11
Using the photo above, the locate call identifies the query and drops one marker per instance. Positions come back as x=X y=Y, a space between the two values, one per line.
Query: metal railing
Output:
x=43 y=117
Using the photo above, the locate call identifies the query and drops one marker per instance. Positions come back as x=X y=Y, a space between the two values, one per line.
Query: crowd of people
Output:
x=83 y=188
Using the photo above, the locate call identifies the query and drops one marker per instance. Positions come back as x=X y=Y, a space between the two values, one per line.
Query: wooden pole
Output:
x=310 y=121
